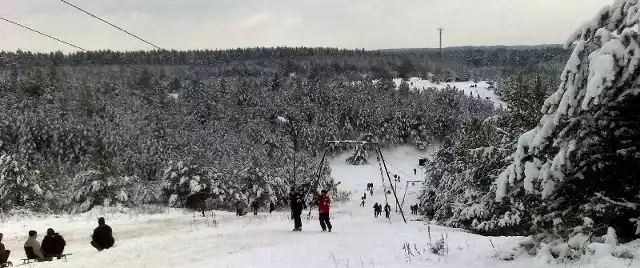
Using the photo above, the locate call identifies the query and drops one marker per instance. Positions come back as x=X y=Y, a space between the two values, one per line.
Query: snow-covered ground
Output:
x=470 y=88
x=183 y=239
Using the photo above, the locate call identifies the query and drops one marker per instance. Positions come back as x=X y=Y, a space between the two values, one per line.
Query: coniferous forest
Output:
x=182 y=128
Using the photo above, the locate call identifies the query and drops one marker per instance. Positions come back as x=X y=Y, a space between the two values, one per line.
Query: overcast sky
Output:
x=217 y=24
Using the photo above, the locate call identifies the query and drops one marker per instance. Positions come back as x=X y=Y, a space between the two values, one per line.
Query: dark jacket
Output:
x=103 y=236
x=297 y=202
x=53 y=244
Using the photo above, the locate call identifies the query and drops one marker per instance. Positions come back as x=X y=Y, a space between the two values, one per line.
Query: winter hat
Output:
x=101 y=220
x=50 y=231
x=323 y=191
x=32 y=233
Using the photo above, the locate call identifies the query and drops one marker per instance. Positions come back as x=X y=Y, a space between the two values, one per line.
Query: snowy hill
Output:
x=184 y=239
x=470 y=88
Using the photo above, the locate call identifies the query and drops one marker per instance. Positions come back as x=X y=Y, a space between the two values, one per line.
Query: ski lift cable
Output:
x=41 y=33
x=111 y=24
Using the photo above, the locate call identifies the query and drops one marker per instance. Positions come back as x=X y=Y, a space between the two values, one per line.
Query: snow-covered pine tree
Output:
x=582 y=158
x=185 y=185
x=100 y=187
x=19 y=186
x=360 y=155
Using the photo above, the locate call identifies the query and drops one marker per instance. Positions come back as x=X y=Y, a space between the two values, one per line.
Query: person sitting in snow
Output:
x=53 y=244
x=324 y=204
x=4 y=253
x=102 y=237
x=32 y=243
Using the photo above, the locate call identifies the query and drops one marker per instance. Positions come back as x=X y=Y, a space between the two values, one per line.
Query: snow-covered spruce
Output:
x=582 y=158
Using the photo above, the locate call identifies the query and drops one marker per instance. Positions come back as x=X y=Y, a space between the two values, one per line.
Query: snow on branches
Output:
x=587 y=129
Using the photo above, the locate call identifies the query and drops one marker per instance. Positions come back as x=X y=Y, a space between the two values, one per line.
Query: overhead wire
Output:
x=41 y=33
x=111 y=24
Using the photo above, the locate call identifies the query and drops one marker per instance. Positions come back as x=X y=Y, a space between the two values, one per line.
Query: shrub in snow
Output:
x=581 y=159
x=97 y=187
x=185 y=185
x=20 y=187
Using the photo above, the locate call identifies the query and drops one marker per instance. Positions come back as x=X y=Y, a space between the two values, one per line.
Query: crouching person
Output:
x=102 y=237
x=53 y=244
x=4 y=254
x=32 y=247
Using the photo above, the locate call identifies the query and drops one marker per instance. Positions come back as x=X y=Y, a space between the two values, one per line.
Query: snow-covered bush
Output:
x=582 y=158
x=20 y=186
x=96 y=187
x=185 y=185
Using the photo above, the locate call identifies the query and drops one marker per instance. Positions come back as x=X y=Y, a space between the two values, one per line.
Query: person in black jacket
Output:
x=102 y=237
x=4 y=254
x=296 y=200
x=53 y=244
x=272 y=207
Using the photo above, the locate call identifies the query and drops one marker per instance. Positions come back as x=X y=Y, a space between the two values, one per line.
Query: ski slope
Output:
x=481 y=88
x=184 y=239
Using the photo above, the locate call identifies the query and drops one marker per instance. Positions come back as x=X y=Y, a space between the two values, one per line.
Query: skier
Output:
x=34 y=245
x=371 y=192
x=203 y=207
x=256 y=206
x=324 y=204
x=415 y=172
x=4 y=254
x=364 y=196
x=375 y=210
x=53 y=244
x=272 y=207
x=387 y=210
x=296 y=200
x=102 y=237
x=362 y=203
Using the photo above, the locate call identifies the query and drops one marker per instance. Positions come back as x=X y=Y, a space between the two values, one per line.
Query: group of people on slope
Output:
x=377 y=210
x=255 y=206
x=53 y=243
x=297 y=203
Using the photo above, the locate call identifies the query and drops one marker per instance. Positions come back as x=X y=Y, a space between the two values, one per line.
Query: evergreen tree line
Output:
x=561 y=163
x=79 y=136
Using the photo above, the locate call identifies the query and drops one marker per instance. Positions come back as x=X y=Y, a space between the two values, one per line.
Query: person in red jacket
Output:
x=324 y=204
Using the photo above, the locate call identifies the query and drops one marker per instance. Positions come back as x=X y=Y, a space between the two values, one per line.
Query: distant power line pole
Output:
x=441 y=53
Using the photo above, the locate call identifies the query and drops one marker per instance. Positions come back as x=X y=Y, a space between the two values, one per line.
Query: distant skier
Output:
x=296 y=200
x=203 y=207
x=272 y=207
x=415 y=172
x=324 y=204
x=371 y=192
x=375 y=210
x=240 y=208
x=4 y=253
x=364 y=196
x=362 y=203
x=102 y=237
x=255 y=205
x=387 y=210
